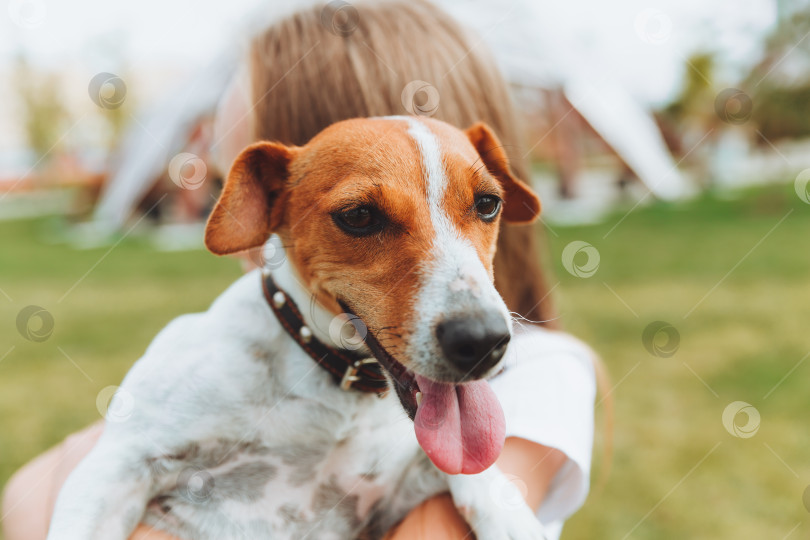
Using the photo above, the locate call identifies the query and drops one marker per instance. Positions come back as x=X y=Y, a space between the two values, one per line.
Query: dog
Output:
x=271 y=414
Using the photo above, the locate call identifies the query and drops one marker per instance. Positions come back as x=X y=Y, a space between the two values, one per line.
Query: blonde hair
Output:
x=339 y=61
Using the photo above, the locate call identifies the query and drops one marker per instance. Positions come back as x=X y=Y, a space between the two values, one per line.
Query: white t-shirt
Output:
x=547 y=392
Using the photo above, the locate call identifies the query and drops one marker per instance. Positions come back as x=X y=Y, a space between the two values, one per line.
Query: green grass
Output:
x=746 y=329
x=676 y=473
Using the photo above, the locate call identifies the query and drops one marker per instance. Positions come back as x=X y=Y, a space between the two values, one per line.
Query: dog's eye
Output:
x=487 y=207
x=358 y=221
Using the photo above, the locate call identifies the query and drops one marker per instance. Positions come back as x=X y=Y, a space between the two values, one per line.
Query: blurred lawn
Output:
x=677 y=473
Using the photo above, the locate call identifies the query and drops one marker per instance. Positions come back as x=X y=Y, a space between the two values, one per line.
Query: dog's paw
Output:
x=498 y=524
x=494 y=507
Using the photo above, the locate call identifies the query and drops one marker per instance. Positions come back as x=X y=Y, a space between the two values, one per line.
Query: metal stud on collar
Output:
x=279 y=299
x=306 y=334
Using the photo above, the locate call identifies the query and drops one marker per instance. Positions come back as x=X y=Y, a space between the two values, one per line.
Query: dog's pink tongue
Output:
x=460 y=427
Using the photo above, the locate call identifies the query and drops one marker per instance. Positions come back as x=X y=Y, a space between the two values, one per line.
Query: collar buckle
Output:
x=350 y=375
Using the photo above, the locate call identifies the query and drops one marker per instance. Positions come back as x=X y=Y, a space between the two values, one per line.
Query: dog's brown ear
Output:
x=521 y=205
x=246 y=213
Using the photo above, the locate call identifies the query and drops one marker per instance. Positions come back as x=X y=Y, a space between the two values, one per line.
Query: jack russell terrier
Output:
x=263 y=417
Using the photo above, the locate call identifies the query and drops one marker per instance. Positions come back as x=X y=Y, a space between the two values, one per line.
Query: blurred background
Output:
x=670 y=142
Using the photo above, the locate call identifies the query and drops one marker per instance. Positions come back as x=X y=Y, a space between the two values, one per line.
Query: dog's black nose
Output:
x=473 y=343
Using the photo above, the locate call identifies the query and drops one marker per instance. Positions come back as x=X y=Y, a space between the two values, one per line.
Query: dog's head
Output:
x=396 y=220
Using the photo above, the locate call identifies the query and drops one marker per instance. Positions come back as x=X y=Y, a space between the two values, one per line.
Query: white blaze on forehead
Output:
x=433 y=169
x=455 y=261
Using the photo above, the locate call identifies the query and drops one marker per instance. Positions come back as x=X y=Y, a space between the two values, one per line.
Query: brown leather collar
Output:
x=349 y=371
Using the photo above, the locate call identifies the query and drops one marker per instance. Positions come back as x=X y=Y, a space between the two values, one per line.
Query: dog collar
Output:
x=349 y=371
